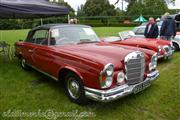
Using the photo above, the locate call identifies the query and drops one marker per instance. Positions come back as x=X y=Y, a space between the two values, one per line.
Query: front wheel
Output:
x=75 y=89
x=176 y=46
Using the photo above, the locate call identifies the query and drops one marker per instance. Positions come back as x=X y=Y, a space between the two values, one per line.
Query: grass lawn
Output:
x=30 y=91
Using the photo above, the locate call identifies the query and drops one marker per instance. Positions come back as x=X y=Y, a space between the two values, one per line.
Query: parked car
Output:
x=176 y=41
x=88 y=67
x=139 y=32
x=163 y=48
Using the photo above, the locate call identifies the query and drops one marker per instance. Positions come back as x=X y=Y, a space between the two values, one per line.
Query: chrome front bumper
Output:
x=166 y=55
x=121 y=91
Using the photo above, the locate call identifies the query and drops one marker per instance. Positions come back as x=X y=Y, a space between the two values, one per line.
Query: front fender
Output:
x=178 y=43
x=73 y=70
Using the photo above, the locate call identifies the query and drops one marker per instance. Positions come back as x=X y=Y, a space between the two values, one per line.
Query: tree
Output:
x=61 y=2
x=99 y=8
x=167 y=1
x=80 y=11
x=147 y=7
x=129 y=1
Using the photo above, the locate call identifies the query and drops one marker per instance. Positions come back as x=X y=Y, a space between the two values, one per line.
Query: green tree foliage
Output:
x=147 y=7
x=99 y=8
x=167 y=1
x=80 y=11
x=63 y=3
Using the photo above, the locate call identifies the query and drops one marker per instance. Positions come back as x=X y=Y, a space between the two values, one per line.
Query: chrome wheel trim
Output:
x=73 y=88
x=23 y=63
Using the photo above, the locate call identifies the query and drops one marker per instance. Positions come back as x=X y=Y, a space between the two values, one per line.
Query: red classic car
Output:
x=163 y=48
x=88 y=67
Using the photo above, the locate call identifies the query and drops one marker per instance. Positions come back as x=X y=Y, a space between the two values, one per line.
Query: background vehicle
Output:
x=88 y=67
x=139 y=32
x=163 y=48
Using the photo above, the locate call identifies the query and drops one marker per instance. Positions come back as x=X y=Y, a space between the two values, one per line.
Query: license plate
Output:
x=142 y=86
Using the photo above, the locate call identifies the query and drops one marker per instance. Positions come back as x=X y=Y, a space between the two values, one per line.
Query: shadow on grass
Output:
x=41 y=79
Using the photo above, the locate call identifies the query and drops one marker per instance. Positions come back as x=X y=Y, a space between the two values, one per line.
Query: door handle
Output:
x=30 y=51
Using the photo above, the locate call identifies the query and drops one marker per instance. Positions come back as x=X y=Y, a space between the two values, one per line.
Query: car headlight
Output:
x=171 y=44
x=109 y=70
x=106 y=76
x=159 y=49
x=153 y=63
x=120 y=77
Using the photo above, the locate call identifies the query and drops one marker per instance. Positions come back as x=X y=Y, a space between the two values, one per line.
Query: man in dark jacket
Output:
x=177 y=20
x=168 y=28
x=151 y=30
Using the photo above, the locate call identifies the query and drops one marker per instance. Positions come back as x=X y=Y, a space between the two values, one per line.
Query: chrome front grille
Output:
x=134 y=67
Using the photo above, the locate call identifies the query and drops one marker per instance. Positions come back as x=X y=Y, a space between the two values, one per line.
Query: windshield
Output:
x=112 y=39
x=126 y=34
x=73 y=35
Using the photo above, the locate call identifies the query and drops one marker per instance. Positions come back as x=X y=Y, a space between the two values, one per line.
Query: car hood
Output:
x=148 y=53
x=149 y=41
x=98 y=53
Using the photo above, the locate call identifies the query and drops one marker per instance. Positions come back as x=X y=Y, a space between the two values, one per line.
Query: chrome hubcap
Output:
x=73 y=88
x=23 y=62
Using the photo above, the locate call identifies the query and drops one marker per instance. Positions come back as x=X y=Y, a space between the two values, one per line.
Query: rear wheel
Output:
x=24 y=64
x=75 y=89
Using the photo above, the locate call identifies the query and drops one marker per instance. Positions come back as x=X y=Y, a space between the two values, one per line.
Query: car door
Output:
x=28 y=48
x=35 y=40
x=42 y=55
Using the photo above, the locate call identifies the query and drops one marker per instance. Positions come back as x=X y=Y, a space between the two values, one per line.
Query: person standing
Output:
x=168 y=28
x=151 y=30
x=177 y=20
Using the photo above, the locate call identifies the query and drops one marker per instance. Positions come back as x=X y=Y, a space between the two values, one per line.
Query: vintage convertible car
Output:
x=163 y=48
x=88 y=67
x=139 y=32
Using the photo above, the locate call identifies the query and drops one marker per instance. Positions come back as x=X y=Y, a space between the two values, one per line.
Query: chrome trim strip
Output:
x=43 y=72
x=160 y=56
x=117 y=92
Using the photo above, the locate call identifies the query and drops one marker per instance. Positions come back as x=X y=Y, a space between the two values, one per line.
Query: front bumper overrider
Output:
x=167 y=55
x=120 y=91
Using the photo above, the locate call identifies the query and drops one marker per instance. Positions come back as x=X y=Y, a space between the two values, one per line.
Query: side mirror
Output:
x=20 y=40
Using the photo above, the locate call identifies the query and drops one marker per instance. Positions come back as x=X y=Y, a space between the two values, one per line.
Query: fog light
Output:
x=120 y=77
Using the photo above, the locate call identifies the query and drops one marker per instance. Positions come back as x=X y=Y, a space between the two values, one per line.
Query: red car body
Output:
x=91 y=63
x=163 y=48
